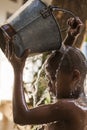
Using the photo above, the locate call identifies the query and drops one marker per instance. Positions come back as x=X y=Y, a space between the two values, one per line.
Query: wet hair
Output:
x=73 y=59
x=67 y=60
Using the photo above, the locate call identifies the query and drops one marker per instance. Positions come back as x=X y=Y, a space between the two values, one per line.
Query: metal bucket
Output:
x=33 y=26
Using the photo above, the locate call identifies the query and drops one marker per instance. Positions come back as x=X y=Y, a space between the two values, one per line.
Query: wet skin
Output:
x=73 y=118
x=71 y=111
x=68 y=113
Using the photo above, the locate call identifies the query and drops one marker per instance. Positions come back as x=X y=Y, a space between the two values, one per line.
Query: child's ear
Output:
x=47 y=2
x=76 y=75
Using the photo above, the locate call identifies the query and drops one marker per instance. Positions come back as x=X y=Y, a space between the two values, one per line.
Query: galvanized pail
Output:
x=34 y=27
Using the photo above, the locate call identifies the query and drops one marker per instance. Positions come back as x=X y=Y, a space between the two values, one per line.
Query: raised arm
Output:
x=21 y=113
x=74 y=30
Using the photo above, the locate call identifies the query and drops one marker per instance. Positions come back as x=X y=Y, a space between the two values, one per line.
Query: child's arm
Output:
x=22 y=114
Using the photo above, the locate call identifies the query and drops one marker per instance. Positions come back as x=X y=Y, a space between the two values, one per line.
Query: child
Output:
x=66 y=70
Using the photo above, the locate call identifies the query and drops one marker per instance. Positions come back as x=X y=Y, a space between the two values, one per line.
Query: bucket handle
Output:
x=48 y=11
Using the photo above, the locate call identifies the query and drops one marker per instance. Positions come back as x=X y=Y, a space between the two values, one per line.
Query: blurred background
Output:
x=33 y=67
x=7 y=8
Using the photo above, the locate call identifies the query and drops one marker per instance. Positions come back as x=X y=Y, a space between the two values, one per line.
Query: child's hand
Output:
x=75 y=26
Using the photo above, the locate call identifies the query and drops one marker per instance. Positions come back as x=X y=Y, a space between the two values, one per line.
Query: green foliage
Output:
x=36 y=91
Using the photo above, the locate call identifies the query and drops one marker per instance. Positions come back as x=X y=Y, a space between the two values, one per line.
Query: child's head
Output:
x=67 y=71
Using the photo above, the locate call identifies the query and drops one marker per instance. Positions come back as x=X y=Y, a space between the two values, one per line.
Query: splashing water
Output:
x=65 y=50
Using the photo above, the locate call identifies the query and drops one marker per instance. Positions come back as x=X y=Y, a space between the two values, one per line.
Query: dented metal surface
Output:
x=34 y=27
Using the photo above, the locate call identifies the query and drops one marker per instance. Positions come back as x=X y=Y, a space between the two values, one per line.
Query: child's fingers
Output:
x=78 y=20
x=69 y=21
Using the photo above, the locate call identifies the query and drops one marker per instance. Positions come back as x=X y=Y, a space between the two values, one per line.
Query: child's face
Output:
x=61 y=86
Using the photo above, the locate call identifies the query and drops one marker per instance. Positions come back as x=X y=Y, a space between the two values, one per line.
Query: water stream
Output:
x=65 y=51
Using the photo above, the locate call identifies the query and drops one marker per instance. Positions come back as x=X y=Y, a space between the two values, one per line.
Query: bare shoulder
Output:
x=81 y=103
x=69 y=103
x=72 y=108
x=71 y=113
